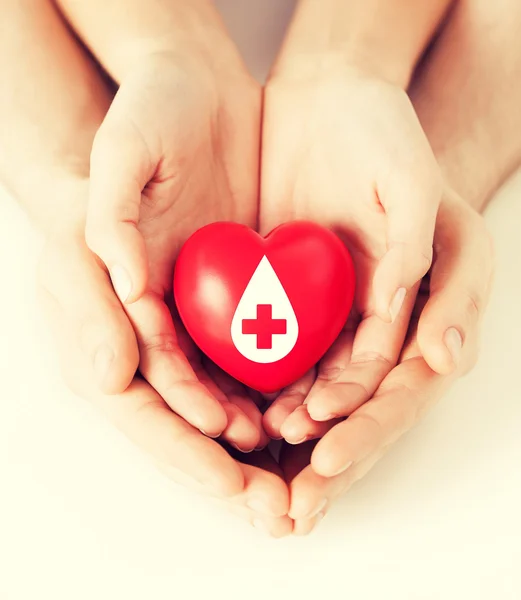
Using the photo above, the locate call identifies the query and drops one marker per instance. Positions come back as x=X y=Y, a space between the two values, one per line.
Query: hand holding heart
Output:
x=347 y=151
x=179 y=149
x=153 y=183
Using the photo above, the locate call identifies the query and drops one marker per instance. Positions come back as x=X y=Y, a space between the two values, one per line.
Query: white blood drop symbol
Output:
x=264 y=327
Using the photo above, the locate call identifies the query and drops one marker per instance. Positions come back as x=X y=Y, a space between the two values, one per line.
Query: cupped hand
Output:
x=455 y=295
x=79 y=303
x=346 y=150
x=178 y=149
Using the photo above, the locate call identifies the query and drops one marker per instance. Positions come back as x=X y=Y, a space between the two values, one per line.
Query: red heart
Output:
x=269 y=332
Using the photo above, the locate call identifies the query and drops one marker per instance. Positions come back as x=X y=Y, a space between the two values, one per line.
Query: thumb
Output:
x=120 y=169
x=411 y=205
x=459 y=290
x=75 y=284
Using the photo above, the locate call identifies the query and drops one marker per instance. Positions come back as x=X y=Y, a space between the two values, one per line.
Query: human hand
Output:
x=76 y=296
x=178 y=149
x=457 y=293
x=346 y=150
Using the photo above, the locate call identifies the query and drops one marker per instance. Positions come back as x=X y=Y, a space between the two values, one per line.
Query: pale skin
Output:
x=149 y=410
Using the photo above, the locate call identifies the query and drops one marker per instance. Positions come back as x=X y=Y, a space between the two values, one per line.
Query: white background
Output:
x=83 y=515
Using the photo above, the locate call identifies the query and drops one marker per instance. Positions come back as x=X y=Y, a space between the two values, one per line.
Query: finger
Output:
x=402 y=399
x=276 y=527
x=143 y=416
x=459 y=289
x=285 y=403
x=308 y=490
x=352 y=370
x=313 y=495
x=70 y=273
x=399 y=402
x=265 y=499
x=166 y=367
x=146 y=418
x=261 y=500
x=250 y=435
x=265 y=492
x=410 y=199
x=299 y=427
x=294 y=461
x=121 y=166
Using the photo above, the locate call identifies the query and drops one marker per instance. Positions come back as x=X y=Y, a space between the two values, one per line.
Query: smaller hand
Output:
x=346 y=150
x=178 y=149
x=82 y=310
x=456 y=298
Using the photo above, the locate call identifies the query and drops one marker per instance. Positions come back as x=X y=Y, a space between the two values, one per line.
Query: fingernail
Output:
x=342 y=469
x=121 y=282
x=103 y=360
x=321 y=418
x=259 y=505
x=243 y=450
x=317 y=510
x=454 y=343
x=299 y=441
x=213 y=437
x=396 y=303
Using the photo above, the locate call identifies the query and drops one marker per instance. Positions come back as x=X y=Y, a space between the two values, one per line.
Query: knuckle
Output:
x=473 y=304
x=376 y=430
x=293 y=392
x=329 y=373
x=408 y=408
x=415 y=253
x=162 y=343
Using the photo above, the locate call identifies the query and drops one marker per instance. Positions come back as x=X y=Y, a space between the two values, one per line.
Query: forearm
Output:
x=382 y=37
x=124 y=33
x=51 y=105
x=468 y=95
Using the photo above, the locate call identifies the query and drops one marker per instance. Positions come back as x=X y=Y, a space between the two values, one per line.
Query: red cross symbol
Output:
x=264 y=327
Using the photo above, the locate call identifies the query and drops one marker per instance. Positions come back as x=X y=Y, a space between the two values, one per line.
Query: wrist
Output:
x=384 y=38
x=179 y=29
x=311 y=64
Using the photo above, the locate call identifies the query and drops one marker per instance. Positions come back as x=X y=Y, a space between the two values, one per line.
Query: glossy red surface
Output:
x=213 y=271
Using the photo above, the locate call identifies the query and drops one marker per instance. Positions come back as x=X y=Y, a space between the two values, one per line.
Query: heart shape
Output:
x=265 y=310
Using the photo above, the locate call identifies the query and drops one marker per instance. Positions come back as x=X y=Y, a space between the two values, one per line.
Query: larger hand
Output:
x=255 y=492
x=458 y=292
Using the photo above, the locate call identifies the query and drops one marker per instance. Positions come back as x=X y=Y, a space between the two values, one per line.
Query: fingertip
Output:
x=302 y=504
x=293 y=428
x=114 y=371
x=440 y=349
x=318 y=408
x=438 y=358
x=211 y=424
x=273 y=419
x=327 y=463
